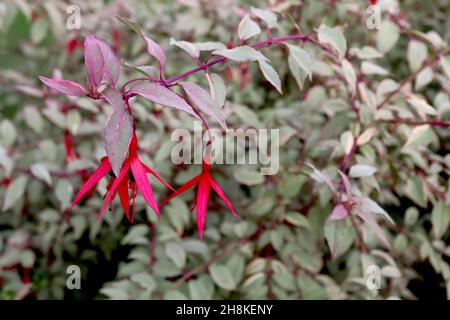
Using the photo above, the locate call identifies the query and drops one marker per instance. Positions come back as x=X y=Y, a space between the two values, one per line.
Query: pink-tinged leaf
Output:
x=347 y=185
x=162 y=95
x=321 y=177
x=99 y=173
x=182 y=189
x=118 y=130
x=156 y=51
x=373 y=224
x=31 y=91
x=368 y=205
x=222 y=195
x=202 y=203
x=112 y=63
x=93 y=58
x=156 y=175
x=112 y=191
x=339 y=212
x=143 y=184
x=66 y=87
x=204 y=102
x=124 y=197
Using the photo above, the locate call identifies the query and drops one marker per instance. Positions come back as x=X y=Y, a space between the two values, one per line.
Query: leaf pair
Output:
x=101 y=63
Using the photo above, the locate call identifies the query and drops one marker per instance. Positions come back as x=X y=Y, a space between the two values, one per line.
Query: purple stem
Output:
x=258 y=45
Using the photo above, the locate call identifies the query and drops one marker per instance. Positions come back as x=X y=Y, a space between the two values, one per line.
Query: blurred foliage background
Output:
x=278 y=250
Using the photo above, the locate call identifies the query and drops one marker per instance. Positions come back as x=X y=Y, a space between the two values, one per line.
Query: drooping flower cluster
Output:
x=128 y=174
x=203 y=183
x=132 y=177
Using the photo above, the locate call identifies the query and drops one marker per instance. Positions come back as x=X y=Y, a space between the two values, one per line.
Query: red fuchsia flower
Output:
x=101 y=63
x=72 y=44
x=70 y=156
x=204 y=182
x=132 y=177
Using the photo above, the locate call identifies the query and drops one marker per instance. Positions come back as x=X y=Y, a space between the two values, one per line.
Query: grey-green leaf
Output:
x=339 y=235
x=333 y=37
x=440 y=219
x=221 y=276
x=14 y=192
x=270 y=74
x=176 y=253
x=241 y=54
x=248 y=28
x=299 y=59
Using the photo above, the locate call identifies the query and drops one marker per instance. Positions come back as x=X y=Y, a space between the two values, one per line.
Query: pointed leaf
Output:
x=112 y=63
x=350 y=75
x=420 y=136
x=421 y=105
x=118 y=131
x=93 y=58
x=267 y=16
x=362 y=170
x=241 y=54
x=445 y=65
x=370 y=206
x=373 y=224
x=270 y=74
x=176 y=253
x=339 y=212
x=387 y=36
x=222 y=277
x=204 y=102
x=333 y=37
x=66 y=87
x=248 y=28
x=14 y=192
x=210 y=45
x=156 y=51
x=440 y=219
x=347 y=185
x=339 y=236
x=218 y=90
x=162 y=95
x=133 y=25
x=297 y=72
x=189 y=47
x=301 y=58
x=40 y=171
x=321 y=177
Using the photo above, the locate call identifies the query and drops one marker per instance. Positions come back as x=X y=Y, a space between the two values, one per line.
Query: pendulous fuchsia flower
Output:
x=204 y=182
x=132 y=177
x=101 y=63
